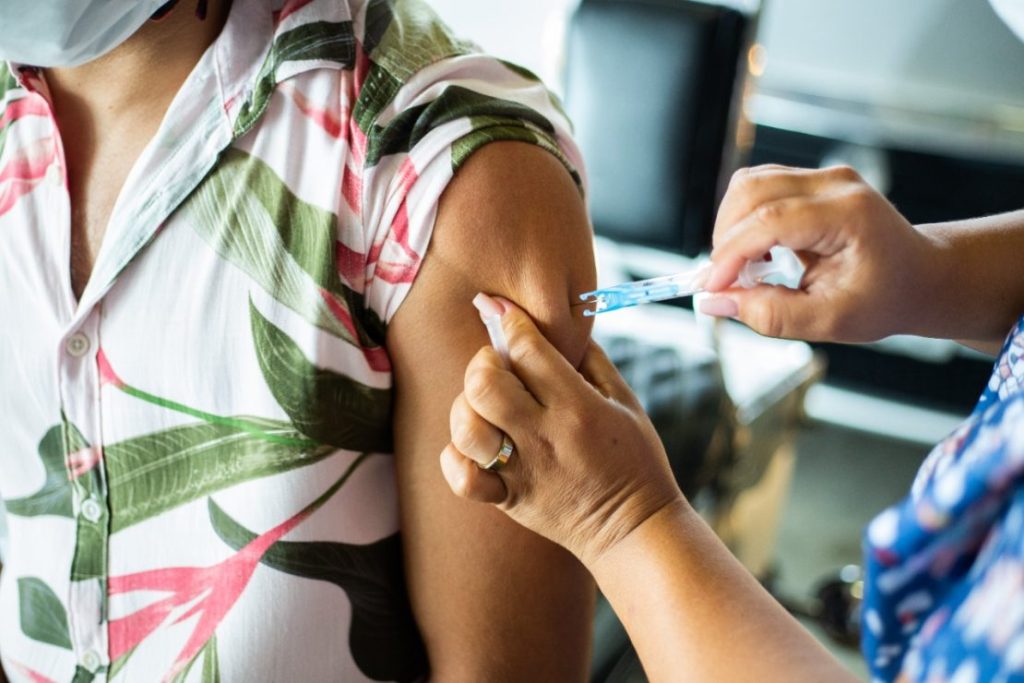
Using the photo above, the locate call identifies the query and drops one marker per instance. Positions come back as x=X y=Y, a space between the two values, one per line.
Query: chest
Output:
x=97 y=169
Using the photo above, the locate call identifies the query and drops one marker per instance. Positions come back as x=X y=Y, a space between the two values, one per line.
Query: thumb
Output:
x=538 y=364
x=771 y=310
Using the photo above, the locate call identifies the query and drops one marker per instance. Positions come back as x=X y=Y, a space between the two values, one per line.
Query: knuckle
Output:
x=860 y=197
x=769 y=213
x=737 y=176
x=741 y=179
x=464 y=437
x=479 y=383
x=766 y=319
x=528 y=349
x=463 y=486
x=844 y=172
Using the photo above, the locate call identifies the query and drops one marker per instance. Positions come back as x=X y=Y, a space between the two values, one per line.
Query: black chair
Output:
x=650 y=87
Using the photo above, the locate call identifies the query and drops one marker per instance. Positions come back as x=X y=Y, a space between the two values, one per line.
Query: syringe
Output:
x=780 y=266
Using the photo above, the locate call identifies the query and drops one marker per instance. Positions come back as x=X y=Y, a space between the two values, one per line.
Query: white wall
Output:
x=527 y=32
x=943 y=56
x=951 y=57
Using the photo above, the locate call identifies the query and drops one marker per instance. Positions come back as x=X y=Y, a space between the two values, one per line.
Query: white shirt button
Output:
x=91 y=510
x=90 y=661
x=77 y=345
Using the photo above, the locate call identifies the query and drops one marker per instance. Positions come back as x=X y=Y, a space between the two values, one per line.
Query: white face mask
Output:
x=68 y=32
x=1012 y=13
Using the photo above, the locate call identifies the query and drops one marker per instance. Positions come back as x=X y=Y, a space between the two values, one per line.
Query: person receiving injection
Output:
x=944 y=587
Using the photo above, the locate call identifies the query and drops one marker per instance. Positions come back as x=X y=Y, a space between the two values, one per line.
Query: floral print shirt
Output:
x=944 y=591
x=196 y=462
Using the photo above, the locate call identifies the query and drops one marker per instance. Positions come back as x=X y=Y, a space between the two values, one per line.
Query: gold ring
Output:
x=503 y=456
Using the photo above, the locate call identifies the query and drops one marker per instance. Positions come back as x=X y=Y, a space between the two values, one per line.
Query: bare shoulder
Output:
x=513 y=223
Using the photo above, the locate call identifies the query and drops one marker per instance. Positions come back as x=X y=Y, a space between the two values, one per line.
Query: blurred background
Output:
x=786 y=448
x=789 y=449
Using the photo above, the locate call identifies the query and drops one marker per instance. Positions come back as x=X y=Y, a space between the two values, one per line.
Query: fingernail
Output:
x=504 y=303
x=491 y=311
x=488 y=307
x=719 y=307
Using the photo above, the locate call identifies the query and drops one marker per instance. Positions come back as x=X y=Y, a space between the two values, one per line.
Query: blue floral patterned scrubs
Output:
x=944 y=598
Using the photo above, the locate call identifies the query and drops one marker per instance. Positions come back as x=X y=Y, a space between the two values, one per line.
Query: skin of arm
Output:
x=690 y=606
x=984 y=289
x=493 y=600
x=591 y=475
x=870 y=273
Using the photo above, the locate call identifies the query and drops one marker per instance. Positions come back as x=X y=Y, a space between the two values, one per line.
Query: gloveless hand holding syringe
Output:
x=780 y=266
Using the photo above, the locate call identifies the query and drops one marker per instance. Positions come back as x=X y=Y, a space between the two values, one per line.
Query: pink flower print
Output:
x=212 y=592
x=31 y=675
x=26 y=106
x=336 y=123
x=376 y=357
x=352 y=187
x=351 y=266
x=330 y=121
x=20 y=175
x=401 y=267
x=83 y=461
x=290 y=7
x=107 y=374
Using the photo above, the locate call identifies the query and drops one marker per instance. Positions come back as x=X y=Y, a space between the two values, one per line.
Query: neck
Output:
x=141 y=76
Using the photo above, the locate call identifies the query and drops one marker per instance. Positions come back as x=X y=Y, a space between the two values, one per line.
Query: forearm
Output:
x=975 y=289
x=689 y=606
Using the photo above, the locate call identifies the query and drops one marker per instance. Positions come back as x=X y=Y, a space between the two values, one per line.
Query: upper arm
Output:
x=493 y=600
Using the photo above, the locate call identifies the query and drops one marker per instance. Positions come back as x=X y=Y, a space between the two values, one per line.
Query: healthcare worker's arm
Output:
x=494 y=601
x=591 y=474
x=870 y=273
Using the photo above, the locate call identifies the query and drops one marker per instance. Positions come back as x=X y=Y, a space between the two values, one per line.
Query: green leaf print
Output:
x=119 y=663
x=90 y=560
x=402 y=38
x=320 y=40
x=211 y=666
x=43 y=617
x=415 y=38
x=412 y=125
x=322 y=404
x=54 y=498
x=83 y=675
x=383 y=637
x=7 y=80
x=246 y=212
x=154 y=473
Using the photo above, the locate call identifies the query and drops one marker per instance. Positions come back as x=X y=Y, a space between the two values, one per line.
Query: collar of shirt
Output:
x=263 y=43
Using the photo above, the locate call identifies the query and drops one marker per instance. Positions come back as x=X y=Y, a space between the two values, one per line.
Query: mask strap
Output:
x=166 y=8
